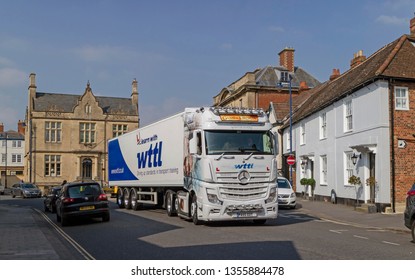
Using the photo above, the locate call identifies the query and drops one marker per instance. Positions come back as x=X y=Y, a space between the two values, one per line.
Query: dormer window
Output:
x=284 y=76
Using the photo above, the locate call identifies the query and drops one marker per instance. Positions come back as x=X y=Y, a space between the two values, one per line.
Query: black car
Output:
x=79 y=200
x=25 y=190
x=409 y=214
x=50 y=199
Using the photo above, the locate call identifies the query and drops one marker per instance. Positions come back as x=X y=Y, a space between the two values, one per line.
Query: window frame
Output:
x=87 y=134
x=52 y=161
x=348 y=115
x=53 y=132
x=323 y=169
x=348 y=166
x=404 y=99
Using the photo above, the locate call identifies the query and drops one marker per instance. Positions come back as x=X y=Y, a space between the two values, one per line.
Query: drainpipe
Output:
x=392 y=134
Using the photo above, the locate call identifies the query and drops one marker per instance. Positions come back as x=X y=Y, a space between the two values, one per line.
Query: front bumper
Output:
x=232 y=210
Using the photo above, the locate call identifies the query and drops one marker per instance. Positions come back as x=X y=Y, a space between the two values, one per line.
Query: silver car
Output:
x=286 y=194
x=26 y=190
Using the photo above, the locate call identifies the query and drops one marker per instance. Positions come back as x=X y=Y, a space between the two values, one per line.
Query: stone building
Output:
x=66 y=134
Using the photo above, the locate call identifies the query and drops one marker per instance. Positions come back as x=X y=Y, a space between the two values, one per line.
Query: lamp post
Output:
x=291 y=126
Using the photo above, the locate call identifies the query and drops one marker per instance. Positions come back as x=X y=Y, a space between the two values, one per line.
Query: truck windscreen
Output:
x=238 y=142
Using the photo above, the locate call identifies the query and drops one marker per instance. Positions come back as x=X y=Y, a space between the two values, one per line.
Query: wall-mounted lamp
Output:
x=355 y=157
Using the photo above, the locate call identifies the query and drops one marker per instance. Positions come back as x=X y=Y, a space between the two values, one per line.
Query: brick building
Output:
x=66 y=134
x=361 y=123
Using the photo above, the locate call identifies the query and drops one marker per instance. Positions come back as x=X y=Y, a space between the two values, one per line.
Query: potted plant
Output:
x=304 y=182
x=355 y=180
x=371 y=182
x=312 y=184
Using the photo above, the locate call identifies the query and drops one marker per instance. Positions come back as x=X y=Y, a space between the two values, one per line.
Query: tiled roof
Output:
x=67 y=102
x=11 y=135
x=267 y=77
x=395 y=60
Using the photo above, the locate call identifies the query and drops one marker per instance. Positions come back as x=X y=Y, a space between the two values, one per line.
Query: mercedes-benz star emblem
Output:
x=244 y=177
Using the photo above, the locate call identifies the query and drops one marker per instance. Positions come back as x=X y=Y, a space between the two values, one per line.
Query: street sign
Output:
x=291 y=160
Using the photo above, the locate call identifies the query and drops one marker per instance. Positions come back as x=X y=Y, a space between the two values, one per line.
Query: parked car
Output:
x=25 y=190
x=50 y=199
x=409 y=213
x=79 y=200
x=286 y=194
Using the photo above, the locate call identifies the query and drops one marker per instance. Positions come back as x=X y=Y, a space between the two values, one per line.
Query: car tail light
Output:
x=411 y=193
x=102 y=197
x=68 y=200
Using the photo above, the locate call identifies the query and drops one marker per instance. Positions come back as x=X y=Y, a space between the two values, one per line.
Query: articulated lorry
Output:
x=203 y=164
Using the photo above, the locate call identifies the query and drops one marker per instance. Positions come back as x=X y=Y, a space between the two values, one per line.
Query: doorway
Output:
x=87 y=169
x=372 y=168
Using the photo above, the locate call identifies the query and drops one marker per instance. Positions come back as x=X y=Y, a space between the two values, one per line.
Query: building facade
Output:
x=66 y=134
x=12 y=152
x=361 y=124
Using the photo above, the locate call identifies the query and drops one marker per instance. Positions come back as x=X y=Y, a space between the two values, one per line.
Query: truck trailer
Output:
x=203 y=164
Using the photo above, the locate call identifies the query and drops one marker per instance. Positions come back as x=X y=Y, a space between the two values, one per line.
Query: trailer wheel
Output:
x=193 y=211
x=120 y=198
x=170 y=203
x=127 y=198
x=133 y=198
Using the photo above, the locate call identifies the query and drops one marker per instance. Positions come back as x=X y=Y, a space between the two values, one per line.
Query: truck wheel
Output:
x=127 y=198
x=193 y=211
x=133 y=198
x=170 y=204
x=120 y=198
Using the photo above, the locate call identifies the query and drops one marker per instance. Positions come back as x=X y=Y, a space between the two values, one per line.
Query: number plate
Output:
x=92 y=207
x=244 y=215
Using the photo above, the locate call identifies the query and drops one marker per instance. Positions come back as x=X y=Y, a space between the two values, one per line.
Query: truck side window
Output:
x=199 y=143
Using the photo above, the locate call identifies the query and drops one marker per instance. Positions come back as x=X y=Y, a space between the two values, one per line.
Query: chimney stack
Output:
x=335 y=74
x=1 y=127
x=21 y=127
x=287 y=58
x=412 y=26
x=357 y=59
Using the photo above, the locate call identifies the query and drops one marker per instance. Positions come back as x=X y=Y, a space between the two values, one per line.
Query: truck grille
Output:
x=243 y=192
x=232 y=177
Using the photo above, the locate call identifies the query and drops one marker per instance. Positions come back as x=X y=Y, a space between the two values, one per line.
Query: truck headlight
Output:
x=272 y=195
x=212 y=197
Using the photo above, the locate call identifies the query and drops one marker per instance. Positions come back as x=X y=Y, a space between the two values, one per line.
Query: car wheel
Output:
x=64 y=221
x=106 y=217
x=58 y=218
x=413 y=231
x=193 y=211
x=45 y=208
x=13 y=195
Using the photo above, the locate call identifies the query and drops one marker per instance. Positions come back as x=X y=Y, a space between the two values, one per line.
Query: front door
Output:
x=372 y=165
x=87 y=169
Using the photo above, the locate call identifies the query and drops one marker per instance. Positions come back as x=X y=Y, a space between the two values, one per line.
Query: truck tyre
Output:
x=133 y=198
x=120 y=198
x=127 y=198
x=170 y=204
x=193 y=211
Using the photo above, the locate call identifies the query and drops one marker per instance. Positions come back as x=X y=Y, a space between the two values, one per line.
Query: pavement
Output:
x=25 y=233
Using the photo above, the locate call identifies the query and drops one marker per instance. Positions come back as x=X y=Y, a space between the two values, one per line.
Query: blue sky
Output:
x=181 y=52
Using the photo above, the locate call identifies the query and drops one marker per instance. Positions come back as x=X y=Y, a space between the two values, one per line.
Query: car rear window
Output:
x=83 y=190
